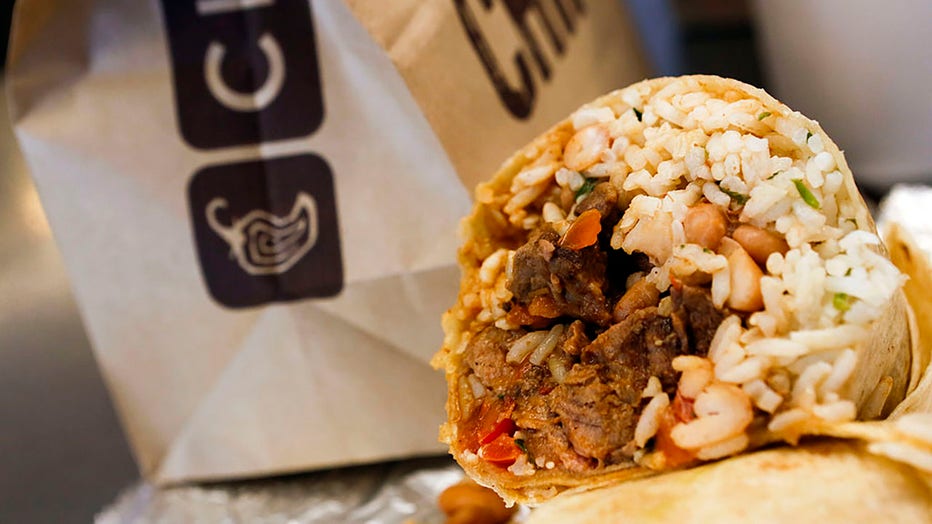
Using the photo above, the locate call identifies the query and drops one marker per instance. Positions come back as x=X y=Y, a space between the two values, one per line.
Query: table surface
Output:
x=64 y=456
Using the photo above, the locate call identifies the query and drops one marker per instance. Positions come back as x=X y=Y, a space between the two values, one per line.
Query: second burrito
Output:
x=682 y=270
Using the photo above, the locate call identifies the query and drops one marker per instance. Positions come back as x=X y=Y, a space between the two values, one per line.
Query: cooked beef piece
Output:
x=597 y=405
x=694 y=305
x=485 y=354
x=574 y=279
x=533 y=412
x=581 y=277
x=603 y=198
x=640 y=295
x=645 y=341
x=600 y=398
x=530 y=380
x=574 y=338
x=550 y=443
x=531 y=277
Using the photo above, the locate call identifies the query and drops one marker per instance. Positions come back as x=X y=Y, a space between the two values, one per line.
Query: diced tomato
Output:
x=676 y=283
x=584 y=231
x=491 y=419
x=503 y=451
x=505 y=426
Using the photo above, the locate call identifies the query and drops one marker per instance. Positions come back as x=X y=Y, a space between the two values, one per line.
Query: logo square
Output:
x=266 y=230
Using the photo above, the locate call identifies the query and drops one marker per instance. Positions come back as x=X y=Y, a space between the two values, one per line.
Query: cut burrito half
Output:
x=681 y=271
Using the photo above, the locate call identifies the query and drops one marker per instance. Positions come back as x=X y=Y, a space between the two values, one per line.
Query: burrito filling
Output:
x=679 y=268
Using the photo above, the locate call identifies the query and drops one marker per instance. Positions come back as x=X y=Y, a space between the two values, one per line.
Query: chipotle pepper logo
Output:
x=263 y=243
x=534 y=21
x=245 y=72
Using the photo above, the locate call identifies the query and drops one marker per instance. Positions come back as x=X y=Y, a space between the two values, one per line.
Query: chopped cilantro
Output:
x=637 y=113
x=842 y=302
x=807 y=195
x=501 y=396
x=763 y=115
x=808 y=135
x=775 y=173
x=848 y=273
x=521 y=445
x=737 y=197
x=707 y=250
x=586 y=188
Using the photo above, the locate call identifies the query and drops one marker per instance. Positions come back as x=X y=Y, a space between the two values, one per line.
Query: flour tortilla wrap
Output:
x=681 y=271
x=828 y=481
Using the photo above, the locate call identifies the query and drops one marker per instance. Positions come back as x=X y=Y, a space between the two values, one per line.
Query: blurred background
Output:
x=63 y=454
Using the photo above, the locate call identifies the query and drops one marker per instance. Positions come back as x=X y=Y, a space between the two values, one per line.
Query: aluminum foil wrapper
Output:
x=394 y=492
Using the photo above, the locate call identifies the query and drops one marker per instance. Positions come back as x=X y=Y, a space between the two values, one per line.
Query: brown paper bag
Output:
x=257 y=200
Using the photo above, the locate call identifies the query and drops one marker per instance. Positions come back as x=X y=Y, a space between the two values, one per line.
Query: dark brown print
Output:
x=520 y=99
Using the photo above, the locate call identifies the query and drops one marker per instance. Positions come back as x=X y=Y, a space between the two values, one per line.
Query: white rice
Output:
x=557 y=369
x=749 y=369
x=531 y=177
x=784 y=421
x=777 y=347
x=722 y=411
x=653 y=388
x=546 y=346
x=696 y=374
x=520 y=349
x=842 y=369
x=649 y=421
x=829 y=338
x=838 y=411
x=492 y=266
x=521 y=467
x=763 y=397
x=588 y=116
x=478 y=389
x=724 y=448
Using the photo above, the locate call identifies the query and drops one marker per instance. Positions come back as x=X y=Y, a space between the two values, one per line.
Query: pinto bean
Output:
x=759 y=243
x=640 y=295
x=745 y=277
x=468 y=502
x=567 y=197
x=585 y=147
x=705 y=225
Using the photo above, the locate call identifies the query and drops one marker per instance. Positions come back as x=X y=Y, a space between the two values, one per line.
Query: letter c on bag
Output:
x=258 y=99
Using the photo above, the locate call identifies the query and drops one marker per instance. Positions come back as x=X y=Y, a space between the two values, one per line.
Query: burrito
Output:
x=681 y=271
